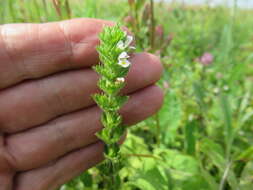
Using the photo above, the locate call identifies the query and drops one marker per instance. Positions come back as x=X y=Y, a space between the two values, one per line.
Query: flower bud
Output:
x=120 y=80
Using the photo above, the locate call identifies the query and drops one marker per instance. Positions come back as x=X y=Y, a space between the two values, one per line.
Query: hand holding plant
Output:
x=51 y=119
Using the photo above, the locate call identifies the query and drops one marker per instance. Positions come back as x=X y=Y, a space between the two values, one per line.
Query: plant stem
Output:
x=224 y=177
x=22 y=9
x=11 y=10
x=57 y=7
x=152 y=25
x=158 y=130
x=142 y=155
x=45 y=8
x=37 y=7
x=68 y=9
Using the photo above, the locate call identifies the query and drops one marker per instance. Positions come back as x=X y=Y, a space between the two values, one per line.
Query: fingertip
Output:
x=156 y=65
x=159 y=97
x=146 y=70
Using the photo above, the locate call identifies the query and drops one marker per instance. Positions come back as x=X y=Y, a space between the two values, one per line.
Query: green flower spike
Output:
x=113 y=53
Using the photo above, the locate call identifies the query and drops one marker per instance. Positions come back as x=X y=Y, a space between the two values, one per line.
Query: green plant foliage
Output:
x=113 y=48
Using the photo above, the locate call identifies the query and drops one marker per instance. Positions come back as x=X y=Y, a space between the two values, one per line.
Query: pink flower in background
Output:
x=206 y=59
x=159 y=31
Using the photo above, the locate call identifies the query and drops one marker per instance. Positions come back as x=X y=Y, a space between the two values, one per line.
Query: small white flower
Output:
x=120 y=80
x=123 y=45
x=123 y=56
x=123 y=60
x=129 y=40
x=124 y=63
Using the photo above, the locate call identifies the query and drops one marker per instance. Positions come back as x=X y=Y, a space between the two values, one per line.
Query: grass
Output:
x=203 y=136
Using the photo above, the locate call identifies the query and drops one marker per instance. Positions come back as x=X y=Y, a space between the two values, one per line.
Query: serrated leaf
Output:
x=170 y=117
x=151 y=179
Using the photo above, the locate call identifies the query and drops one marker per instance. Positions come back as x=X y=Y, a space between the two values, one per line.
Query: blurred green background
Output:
x=203 y=136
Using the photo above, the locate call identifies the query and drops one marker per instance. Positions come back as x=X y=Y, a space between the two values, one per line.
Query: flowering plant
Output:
x=113 y=53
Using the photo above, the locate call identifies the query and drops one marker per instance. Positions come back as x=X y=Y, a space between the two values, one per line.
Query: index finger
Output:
x=29 y=51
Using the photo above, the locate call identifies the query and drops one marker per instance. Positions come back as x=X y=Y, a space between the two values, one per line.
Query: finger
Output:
x=59 y=172
x=36 y=102
x=6 y=181
x=74 y=131
x=30 y=51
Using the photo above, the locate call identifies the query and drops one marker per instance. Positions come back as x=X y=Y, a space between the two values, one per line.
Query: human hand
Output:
x=48 y=120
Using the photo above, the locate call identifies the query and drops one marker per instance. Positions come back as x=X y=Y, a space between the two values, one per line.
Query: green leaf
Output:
x=209 y=179
x=246 y=155
x=200 y=95
x=151 y=177
x=217 y=157
x=246 y=180
x=190 y=139
x=246 y=117
x=86 y=179
x=109 y=103
x=214 y=152
x=178 y=161
x=110 y=87
x=170 y=117
x=227 y=115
